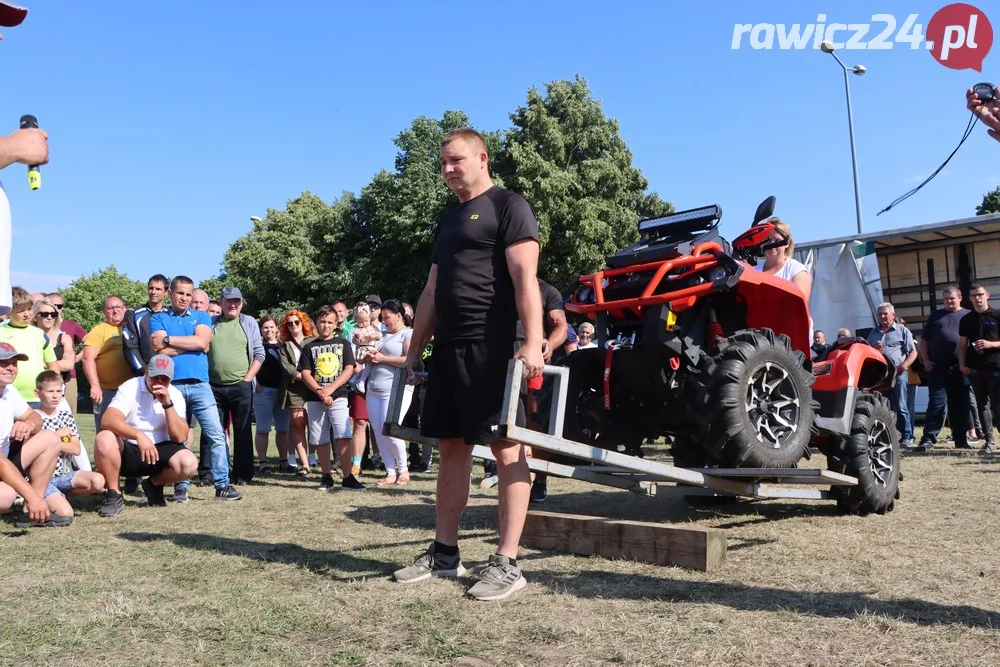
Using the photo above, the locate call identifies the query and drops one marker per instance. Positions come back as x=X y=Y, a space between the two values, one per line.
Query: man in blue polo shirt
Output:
x=185 y=334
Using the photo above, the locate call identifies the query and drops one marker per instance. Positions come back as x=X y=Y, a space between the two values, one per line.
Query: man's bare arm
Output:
x=425 y=319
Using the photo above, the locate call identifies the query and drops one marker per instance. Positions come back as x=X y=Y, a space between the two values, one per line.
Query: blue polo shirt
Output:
x=192 y=364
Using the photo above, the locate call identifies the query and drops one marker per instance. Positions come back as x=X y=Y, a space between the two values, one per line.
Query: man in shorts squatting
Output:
x=145 y=428
x=483 y=276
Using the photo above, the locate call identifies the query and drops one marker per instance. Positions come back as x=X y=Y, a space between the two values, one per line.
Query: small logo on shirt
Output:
x=494 y=428
x=474 y=216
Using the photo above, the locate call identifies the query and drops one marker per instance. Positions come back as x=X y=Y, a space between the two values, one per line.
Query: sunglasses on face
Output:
x=47 y=314
x=6 y=363
x=294 y=323
x=57 y=306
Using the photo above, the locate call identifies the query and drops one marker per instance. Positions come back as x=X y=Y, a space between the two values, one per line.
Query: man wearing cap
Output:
x=25 y=450
x=234 y=358
x=374 y=302
x=184 y=334
x=28 y=146
x=143 y=435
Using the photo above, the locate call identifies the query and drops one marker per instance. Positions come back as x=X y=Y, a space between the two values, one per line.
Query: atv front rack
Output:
x=623 y=471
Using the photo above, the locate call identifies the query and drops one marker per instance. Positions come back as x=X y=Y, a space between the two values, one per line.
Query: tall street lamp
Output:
x=827 y=47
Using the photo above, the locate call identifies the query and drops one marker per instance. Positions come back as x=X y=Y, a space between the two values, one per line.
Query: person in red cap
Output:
x=28 y=146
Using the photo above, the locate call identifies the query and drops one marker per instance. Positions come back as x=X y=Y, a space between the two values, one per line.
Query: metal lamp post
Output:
x=827 y=47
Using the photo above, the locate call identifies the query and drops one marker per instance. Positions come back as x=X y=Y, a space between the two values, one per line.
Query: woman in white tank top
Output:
x=779 y=261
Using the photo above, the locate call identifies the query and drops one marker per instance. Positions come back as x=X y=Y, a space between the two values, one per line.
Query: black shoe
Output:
x=228 y=493
x=205 y=480
x=241 y=482
x=539 y=494
x=154 y=493
x=351 y=483
x=964 y=445
x=326 y=484
x=989 y=448
x=131 y=485
x=114 y=504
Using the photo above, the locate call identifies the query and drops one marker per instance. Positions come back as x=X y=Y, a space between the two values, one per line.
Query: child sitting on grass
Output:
x=56 y=416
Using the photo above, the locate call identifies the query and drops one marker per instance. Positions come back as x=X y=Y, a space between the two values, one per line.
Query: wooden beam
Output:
x=662 y=544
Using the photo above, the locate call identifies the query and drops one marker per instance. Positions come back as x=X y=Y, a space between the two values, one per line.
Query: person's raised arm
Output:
x=522 y=263
x=988 y=112
x=28 y=146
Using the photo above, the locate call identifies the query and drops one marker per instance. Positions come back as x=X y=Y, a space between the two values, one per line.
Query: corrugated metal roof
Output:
x=938 y=231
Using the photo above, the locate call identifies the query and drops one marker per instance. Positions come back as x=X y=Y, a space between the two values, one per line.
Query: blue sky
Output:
x=172 y=123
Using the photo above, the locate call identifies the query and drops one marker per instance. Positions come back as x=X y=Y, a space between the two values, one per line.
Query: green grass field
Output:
x=292 y=576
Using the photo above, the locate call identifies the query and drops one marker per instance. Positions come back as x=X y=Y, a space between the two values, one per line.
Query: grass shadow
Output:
x=325 y=563
x=421 y=515
x=615 y=585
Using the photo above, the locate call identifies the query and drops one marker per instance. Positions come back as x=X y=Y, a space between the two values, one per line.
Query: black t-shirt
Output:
x=325 y=359
x=941 y=333
x=474 y=298
x=270 y=373
x=981 y=326
x=551 y=300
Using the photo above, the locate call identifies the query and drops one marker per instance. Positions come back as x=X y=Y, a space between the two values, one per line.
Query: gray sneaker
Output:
x=489 y=481
x=430 y=564
x=497 y=580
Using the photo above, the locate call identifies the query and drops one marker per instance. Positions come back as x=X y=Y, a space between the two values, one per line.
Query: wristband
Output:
x=167 y=406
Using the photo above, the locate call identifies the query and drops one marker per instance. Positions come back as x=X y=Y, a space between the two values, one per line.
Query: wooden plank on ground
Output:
x=662 y=544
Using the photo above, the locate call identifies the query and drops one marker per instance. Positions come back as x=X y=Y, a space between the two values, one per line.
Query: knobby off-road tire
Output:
x=870 y=453
x=758 y=402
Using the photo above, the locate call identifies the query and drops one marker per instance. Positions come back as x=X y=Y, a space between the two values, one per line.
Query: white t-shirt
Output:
x=12 y=406
x=142 y=411
x=788 y=270
x=5 y=238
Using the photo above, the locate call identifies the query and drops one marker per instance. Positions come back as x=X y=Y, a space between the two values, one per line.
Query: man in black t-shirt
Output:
x=979 y=359
x=483 y=278
x=945 y=383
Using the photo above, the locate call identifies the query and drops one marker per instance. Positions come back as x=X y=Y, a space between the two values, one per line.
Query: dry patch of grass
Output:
x=294 y=576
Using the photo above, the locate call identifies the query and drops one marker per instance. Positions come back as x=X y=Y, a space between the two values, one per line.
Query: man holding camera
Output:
x=988 y=111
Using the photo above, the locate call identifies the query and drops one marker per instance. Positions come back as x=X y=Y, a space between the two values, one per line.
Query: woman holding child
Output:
x=389 y=353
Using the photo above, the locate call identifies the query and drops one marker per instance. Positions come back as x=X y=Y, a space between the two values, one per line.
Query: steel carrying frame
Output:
x=623 y=471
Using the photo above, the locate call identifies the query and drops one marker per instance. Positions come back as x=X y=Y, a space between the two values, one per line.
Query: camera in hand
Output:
x=984 y=91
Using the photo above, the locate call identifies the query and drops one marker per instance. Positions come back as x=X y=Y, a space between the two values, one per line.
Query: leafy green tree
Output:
x=213 y=286
x=85 y=296
x=990 y=204
x=570 y=162
x=276 y=262
x=396 y=214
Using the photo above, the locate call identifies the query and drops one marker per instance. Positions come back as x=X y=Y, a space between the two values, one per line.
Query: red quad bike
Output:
x=696 y=345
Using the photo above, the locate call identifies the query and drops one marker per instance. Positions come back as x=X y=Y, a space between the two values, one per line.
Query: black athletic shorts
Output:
x=14 y=455
x=465 y=391
x=134 y=466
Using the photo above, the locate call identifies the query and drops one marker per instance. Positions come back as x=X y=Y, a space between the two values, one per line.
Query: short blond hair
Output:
x=468 y=134
x=785 y=230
